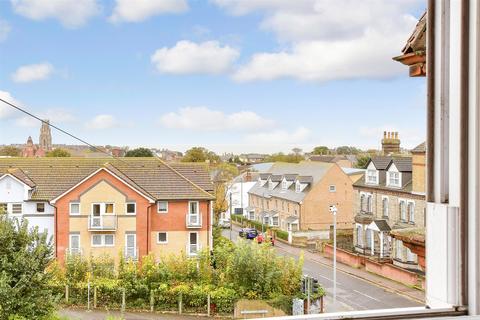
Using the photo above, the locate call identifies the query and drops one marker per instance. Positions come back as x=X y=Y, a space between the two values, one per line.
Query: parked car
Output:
x=262 y=238
x=248 y=233
x=224 y=223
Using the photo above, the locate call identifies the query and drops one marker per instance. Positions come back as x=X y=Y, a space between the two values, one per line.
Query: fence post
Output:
x=88 y=295
x=95 y=297
x=66 y=293
x=152 y=301
x=208 y=305
x=321 y=304
x=180 y=303
x=123 y=300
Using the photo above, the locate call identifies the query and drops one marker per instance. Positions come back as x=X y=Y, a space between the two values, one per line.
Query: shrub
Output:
x=224 y=299
x=281 y=234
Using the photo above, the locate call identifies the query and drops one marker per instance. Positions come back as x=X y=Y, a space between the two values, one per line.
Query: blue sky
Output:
x=231 y=75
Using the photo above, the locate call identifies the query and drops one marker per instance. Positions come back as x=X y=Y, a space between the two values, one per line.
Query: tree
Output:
x=10 y=151
x=321 y=150
x=58 y=153
x=221 y=204
x=25 y=255
x=347 y=150
x=297 y=151
x=362 y=161
x=281 y=157
x=200 y=154
x=139 y=152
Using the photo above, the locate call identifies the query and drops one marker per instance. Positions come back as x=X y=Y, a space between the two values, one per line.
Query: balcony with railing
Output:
x=131 y=253
x=193 y=220
x=102 y=222
x=193 y=249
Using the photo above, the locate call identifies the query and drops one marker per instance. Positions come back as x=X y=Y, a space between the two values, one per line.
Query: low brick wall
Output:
x=343 y=256
x=390 y=271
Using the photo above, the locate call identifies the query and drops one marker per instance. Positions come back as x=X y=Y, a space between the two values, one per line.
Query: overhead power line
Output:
x=57 y=128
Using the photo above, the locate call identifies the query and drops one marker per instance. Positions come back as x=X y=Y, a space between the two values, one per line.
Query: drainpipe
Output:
x=55 y=218
x=464 y=150
x=430 y=143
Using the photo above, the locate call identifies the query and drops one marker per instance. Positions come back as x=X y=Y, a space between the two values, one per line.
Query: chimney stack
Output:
x=390 y=143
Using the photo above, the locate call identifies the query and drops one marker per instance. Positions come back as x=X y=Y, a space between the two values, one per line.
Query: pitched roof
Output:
x=420 y=148
x=402 y=164
x=20 y=175
x=381 y=163
x=276 y=177
x=54 y=176
x=313 y=169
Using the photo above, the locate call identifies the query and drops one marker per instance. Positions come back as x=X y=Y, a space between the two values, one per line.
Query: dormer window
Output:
x=298 y=187
x=394 y=179
x=284 y=184
x=372 y=176
x=270 y=185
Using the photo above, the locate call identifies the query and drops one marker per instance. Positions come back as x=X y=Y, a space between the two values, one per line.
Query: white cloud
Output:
x=33 y=72
x=55 y=116
x=188 y=57
x=6 y=110
x=71 y=13
x=4 y=30
x=102 y=121
x=280 y=137
x=205 y=119
x=348 y=39
x=140 y=10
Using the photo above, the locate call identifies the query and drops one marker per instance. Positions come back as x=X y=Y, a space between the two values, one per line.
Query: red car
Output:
x=261 y=238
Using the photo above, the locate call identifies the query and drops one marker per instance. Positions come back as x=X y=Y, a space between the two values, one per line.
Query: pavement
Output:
x=356 y=289
x=82 y=314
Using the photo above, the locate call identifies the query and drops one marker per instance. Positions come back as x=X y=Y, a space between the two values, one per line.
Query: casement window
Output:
x=193 y=245
x=270 y=185
x=368 y=238
x=131 y=246
x=162 y=206
x=3 y=208
x=131 y=208
x=385 y=207
x=359 y=236
x=298 y=187
x=103 y=240
x=193 y=208
x=284 y=184
x=332 y=188
x=162 y=237
x=372 y=176
x=394 y=179
x=369 y=203
x=411 y=212
x=74 y=243
x=363 y=206
x=275 y=221
x=40 y=207
x=402 y=207
x=74 y=208
x=17 y=208
x=252 y=215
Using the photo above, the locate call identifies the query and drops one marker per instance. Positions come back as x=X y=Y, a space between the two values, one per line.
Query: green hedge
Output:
x=281 y=234
x=252 y=223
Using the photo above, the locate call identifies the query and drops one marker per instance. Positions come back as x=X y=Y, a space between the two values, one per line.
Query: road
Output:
x=353 y=293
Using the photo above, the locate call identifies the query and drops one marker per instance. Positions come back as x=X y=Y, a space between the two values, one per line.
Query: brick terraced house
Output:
x=390 y=209
x=129 y=207
x=296 y=197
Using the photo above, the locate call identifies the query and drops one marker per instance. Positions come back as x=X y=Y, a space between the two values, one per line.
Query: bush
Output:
x=281 y=234
x=224 y=299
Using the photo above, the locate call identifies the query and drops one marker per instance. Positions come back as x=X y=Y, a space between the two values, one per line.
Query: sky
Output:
x=230 y=75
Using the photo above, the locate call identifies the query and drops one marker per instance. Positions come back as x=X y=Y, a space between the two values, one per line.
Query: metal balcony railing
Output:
x=193 y=220
x=102 y=222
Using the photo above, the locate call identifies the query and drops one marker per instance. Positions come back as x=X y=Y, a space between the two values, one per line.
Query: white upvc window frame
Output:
x=102 y=240
x=284 y=184
x=103 y=208
x=402 y=213
x=298 y=187
x=158 y=206
x=70 y=209
x=70 y=240
x=372 y=176
x=396 y=182
x=126 y=208
x=198 y=208
x=166 y=237
x=385 y=208
x=332 y=188
x=411 y=215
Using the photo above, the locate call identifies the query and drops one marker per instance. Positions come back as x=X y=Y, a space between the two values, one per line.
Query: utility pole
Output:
x=333 y=210
x=263 y=209
x=241 y=194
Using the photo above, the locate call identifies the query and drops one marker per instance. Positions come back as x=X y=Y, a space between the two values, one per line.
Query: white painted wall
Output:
x=14 y=191
x=239 y=196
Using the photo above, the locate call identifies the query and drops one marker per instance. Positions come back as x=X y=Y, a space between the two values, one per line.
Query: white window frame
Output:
x=396 y=179
x=158 y=206
x=21 y=207
x=166 y=237
x=385 y=209
x=70 y=241
x=332 y=188
x=410 y=219
x=284 y=184
x=102 y=240
x=275 y=224
x=103 y=208
x=402 y=213
x=70 y=208
x=198 y=208
x=298 y=187
x=126 y=208
x=372 y=174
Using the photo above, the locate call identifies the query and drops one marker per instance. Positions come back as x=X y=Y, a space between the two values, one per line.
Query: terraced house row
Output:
x=128 y=207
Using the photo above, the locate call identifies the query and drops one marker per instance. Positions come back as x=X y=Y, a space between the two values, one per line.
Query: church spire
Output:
x=45 y=140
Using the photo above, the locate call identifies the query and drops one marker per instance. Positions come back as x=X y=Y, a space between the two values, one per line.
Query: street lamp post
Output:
x=230 y=215
x=333 y=210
